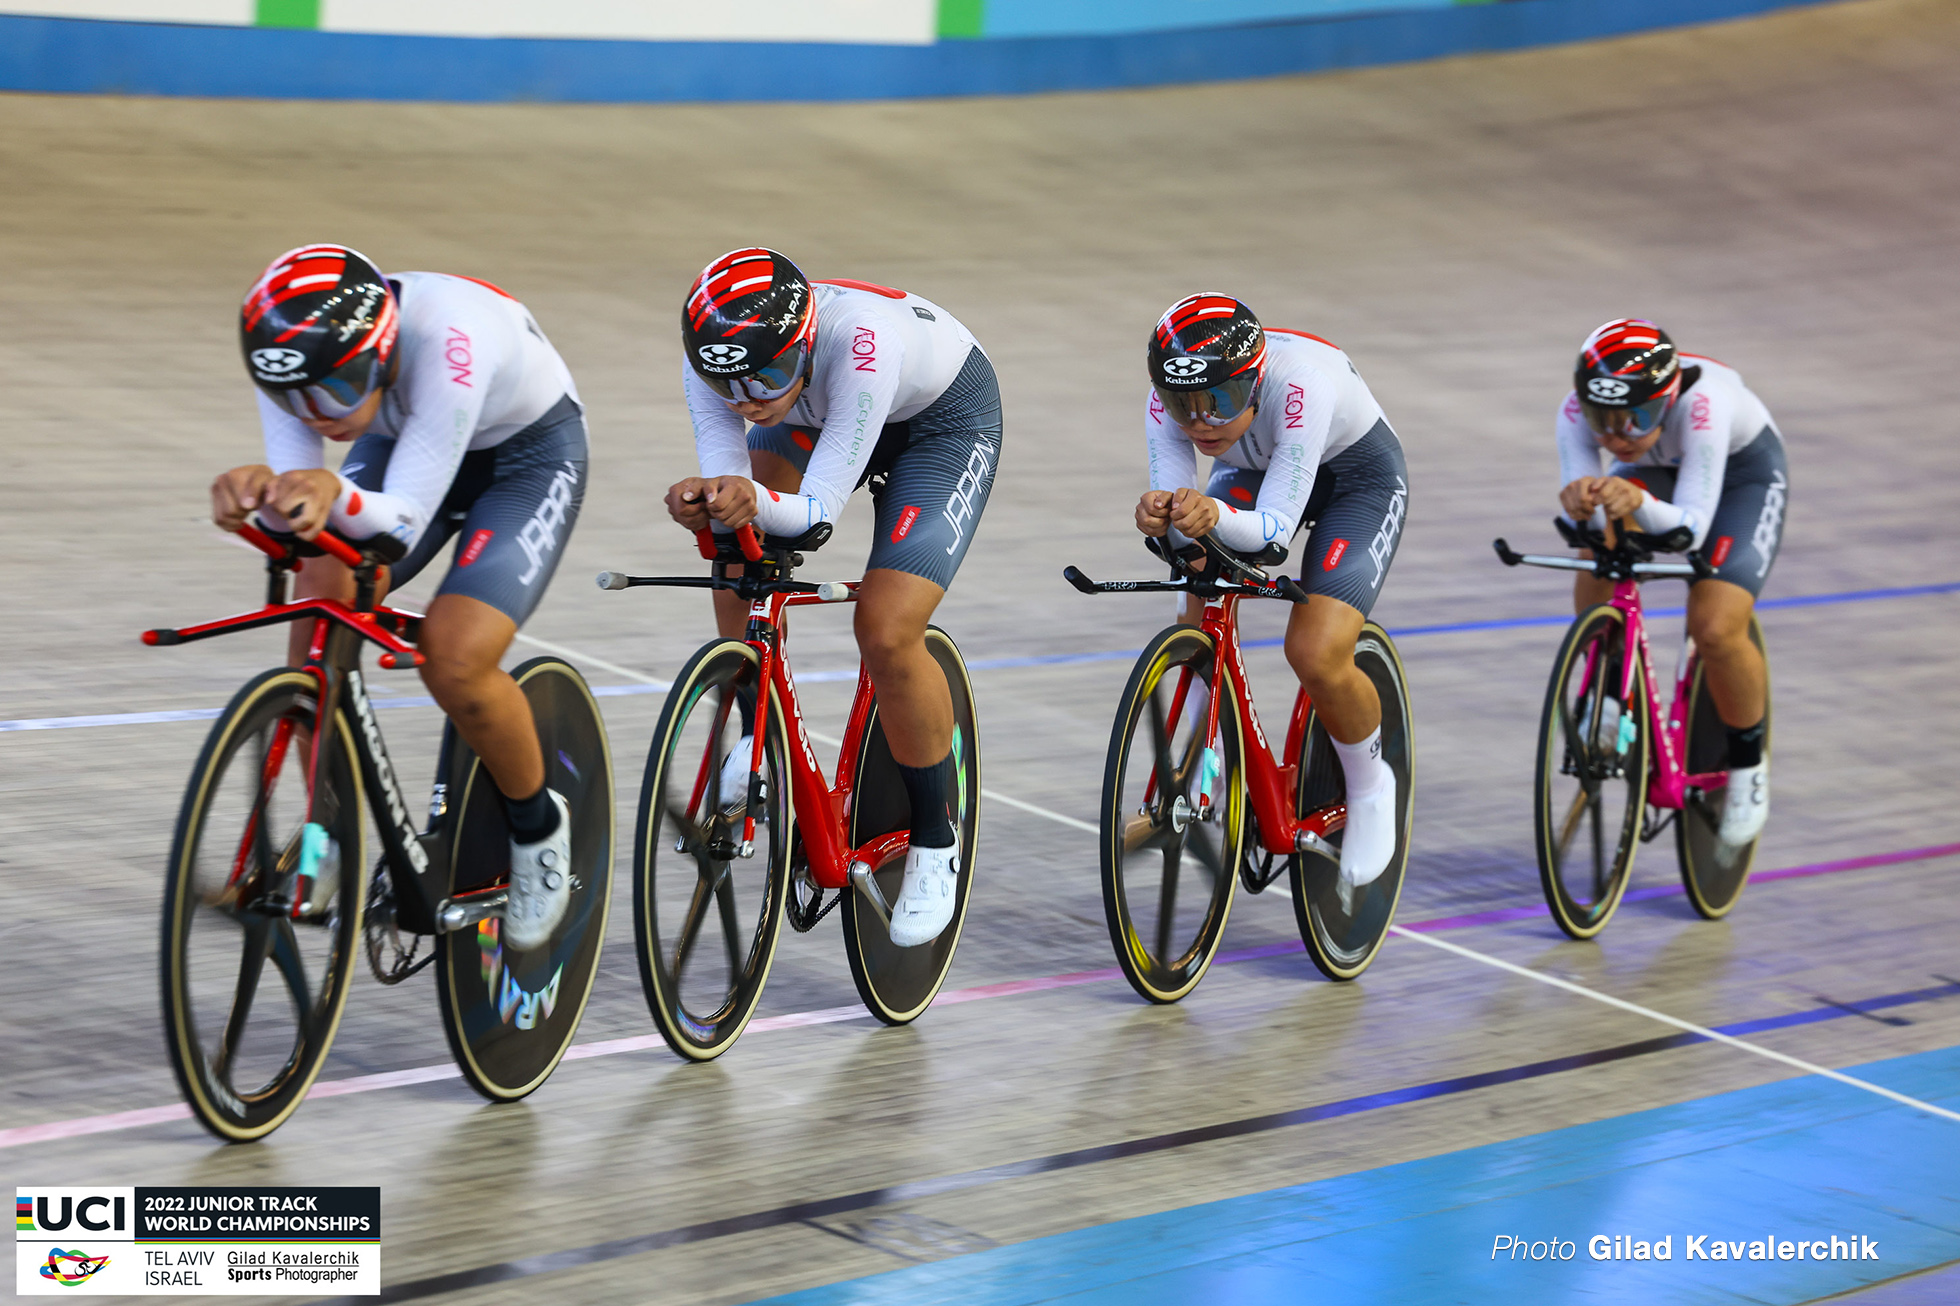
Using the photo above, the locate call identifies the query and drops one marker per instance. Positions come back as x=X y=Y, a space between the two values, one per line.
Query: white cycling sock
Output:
x=1362 y=763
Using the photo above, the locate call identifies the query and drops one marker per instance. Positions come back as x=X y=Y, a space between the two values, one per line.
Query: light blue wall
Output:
x=1086 y=17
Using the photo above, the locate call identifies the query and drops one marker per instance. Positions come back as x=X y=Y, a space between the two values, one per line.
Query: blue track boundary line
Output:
x=892 y=1194
x=1013 y=663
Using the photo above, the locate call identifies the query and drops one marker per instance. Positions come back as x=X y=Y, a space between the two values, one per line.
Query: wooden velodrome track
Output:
x=1780 y=193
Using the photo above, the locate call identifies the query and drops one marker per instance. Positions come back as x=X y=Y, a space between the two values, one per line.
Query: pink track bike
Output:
x=1615 y=764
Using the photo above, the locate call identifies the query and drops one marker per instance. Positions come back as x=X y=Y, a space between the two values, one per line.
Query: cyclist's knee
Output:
x=1319 y=660
x=1720 y=625
x=885 y=638
x=459 y=672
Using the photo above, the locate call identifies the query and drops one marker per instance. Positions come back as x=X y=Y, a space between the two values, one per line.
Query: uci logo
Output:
x=278 y=362
x=1606 y=387
x=1184 y=367
x=722 y=355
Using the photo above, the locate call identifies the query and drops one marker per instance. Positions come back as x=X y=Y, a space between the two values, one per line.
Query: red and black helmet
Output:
x=1206 y=357
x=318 y=330
x=749 y=325
x=1627 y=366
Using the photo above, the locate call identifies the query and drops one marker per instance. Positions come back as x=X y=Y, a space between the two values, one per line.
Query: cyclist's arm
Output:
x=1290 y=475
x=1698 y=481
x=1578 y=452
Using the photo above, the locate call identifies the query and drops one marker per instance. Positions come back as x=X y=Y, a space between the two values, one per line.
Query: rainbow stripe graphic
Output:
x=24 y=1214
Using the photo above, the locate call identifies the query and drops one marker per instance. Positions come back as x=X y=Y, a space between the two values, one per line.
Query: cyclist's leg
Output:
x=778 y=456
x=928 y=508
x=1742 y=544
x=1354 y=541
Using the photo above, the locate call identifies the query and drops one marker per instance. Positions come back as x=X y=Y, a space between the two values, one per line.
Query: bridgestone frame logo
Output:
x=384 y=771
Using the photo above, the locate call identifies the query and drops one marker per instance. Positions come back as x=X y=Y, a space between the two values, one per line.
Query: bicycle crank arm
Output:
x=453 y=915
x=867 y=885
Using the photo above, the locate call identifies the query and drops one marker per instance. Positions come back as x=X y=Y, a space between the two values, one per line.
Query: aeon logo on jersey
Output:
x=1607 y=387
x=1182 y=368
x=1296 y=407
x=722 y=355
x=864 y=348
x=456 y=352
x=1698 y=413
x=275 y=363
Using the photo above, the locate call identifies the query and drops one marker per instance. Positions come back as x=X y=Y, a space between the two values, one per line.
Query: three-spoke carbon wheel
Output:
x=705 y=917
x=1344 y=933
x=257 y=955
x=510 y=1014
x=1593 y=752
x=1166 y=874
x=1714 y=872
x=898 y=984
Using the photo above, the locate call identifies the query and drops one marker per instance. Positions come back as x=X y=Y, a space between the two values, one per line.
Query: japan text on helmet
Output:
x=749 y=324
x=318 y=330
x=1206 y=357
x=1627 y=377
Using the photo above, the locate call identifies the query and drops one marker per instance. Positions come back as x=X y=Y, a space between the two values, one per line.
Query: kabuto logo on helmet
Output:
x=277 y=364
x=1607 y=388
x=722 y=355
x=1185 y=367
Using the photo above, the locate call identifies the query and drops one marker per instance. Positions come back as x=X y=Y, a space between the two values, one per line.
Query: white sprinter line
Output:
x=1715 y=1036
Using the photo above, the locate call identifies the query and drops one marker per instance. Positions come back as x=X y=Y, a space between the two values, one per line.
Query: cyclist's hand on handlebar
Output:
x=1154 y=513
x=727 y=499
x=238 y=493
x=1620 y=498
x=1581 y=497
x=304 y=497
x=1194 y=513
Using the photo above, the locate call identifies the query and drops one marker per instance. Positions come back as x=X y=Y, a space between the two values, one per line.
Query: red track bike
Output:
x=1177 y=826
x=716 y=873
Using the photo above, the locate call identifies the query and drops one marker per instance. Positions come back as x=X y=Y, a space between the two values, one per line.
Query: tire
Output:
x=898 y=984
x=511 y=1015
x=1713 y=873
x=1165 y=934
x=1343 y=938
x=688 y=879
x=1590 y=797
x=243 y=1061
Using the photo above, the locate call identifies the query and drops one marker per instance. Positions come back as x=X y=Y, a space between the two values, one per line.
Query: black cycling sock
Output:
x=927 y=786
x=532 y=819
x=1746 y=746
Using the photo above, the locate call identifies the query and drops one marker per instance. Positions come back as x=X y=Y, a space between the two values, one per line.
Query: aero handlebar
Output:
x=704 y=539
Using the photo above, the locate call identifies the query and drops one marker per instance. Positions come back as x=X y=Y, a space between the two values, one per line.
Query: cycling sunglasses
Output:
x=1631 y=421
x=337 y=394
x=771 y=381
x=1218 y=405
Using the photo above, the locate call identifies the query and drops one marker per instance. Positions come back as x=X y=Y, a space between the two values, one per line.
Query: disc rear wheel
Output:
x=1342 y=932
x=1167 y=875
x=1593 y=755
x=510 y=1014
x=898 y=984
x=1713 y=872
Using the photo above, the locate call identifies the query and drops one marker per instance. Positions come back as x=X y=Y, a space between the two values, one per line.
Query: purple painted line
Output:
x=1503 y=914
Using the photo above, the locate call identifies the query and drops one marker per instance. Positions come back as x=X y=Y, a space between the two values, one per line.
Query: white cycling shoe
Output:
x=1745 y=807
x=925 y=904
x=1368 y=840
x=540 y=883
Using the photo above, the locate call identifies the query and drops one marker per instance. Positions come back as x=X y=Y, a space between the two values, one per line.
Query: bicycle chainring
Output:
x=390 y=961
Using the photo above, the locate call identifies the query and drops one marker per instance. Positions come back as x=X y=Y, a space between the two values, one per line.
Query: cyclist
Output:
x=847 y=382
x=1687 y=444
x=1296 y=440
x=464 y=422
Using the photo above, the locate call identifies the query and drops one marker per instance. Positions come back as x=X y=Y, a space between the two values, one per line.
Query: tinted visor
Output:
x=772 y=380
x=1629 y=419
x=336 y=394
x=1216 y=405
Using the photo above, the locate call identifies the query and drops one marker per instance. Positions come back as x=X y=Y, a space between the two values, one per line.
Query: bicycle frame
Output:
x=1669 y=781
x=1622 y=557
x=333 y=661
